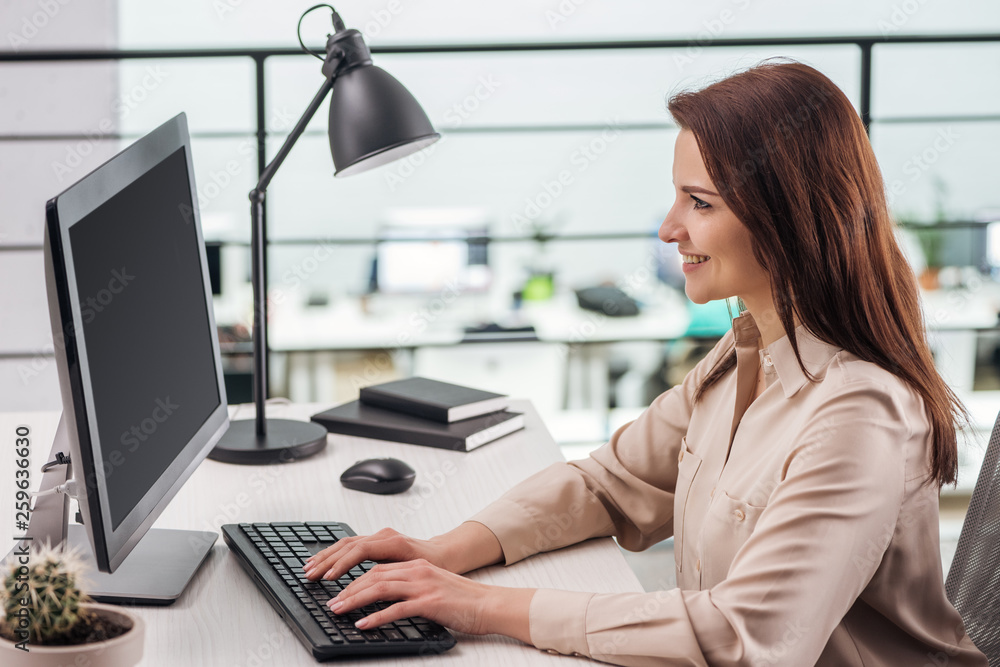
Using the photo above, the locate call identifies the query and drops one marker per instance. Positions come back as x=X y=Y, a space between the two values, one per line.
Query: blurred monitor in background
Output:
x=428 y=251
x=992 y=240
x=965 y=246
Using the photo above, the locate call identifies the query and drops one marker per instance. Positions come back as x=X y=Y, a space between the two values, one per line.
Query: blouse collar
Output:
x=816 y=354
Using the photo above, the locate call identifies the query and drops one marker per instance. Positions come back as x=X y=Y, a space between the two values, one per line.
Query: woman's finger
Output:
x=342 y=543
x=394 y=612
x=392 y=548
x=384 y=590
x=349 y=550
x=381 y=572
x=327 y=554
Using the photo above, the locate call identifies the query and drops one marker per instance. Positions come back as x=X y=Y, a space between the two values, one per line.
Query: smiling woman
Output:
x=797 y=466
x=712 y=241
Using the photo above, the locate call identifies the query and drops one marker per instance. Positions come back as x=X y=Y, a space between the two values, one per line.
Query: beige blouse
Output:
x=803 y=534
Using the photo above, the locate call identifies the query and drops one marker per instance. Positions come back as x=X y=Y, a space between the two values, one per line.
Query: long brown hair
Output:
x=791 y=159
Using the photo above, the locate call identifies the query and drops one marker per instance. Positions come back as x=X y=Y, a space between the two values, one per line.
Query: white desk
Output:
x=222 y=619
x=422 y=322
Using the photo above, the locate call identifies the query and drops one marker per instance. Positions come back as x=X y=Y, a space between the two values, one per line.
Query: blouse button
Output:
x=740 y=515
x=712 y=493
x=680 y=457
x=697 y=565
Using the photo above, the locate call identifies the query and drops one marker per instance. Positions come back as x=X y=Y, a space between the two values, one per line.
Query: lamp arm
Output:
x=259 y=260
x=293 y=136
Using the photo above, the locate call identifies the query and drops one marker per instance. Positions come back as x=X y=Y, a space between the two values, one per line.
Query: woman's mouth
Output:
x=693 y=262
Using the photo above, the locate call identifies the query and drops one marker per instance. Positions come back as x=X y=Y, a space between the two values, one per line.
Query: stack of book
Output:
x=422 y=411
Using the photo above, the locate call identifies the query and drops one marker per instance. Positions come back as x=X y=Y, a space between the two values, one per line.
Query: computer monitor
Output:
x=430 y=260
x=138 y=360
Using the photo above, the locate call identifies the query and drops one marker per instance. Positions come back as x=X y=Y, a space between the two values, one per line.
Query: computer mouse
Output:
x=382 y=476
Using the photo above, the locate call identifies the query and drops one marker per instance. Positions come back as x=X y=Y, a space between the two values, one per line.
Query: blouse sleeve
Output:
x=625 y=488
x=815 y=547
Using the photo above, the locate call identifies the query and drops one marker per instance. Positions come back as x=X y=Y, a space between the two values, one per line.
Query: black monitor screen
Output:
x=147 y=333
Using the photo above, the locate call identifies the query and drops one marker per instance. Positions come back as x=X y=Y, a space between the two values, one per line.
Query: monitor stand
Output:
x=157 y=570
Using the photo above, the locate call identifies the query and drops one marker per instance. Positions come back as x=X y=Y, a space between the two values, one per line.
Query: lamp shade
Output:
x=374 y=120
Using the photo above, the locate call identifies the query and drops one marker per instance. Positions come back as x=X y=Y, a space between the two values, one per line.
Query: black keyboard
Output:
x=273 y=555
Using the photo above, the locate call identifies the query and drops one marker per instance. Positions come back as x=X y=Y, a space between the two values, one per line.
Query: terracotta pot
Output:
x=928 y=280
x=123 y=651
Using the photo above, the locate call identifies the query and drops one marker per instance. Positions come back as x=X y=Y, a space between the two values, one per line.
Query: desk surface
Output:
x=222 y=619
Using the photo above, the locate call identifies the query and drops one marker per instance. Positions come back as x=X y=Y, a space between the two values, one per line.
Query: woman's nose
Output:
x=671 y=230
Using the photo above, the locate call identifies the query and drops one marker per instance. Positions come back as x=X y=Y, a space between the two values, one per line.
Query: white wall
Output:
x=49 y=99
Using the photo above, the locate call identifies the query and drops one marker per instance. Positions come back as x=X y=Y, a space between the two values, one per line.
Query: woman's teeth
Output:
x=695 y=259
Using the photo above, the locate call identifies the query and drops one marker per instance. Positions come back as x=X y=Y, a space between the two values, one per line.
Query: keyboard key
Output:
x=411 y=633
x=393 y=635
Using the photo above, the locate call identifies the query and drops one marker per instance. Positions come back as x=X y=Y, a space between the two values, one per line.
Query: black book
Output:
x=367 y=421
x=433 y=399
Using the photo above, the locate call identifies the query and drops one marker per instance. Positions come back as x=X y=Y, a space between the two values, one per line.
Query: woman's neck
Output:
x=768 y=323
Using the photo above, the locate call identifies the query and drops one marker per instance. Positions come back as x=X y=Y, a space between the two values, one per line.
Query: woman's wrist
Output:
x=468 y=547
x=508 y=612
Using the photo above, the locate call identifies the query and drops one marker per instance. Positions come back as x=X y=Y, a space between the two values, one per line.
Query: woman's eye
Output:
x=699 y=203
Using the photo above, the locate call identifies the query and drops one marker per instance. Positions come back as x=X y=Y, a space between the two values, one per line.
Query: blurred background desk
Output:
x=563 y=363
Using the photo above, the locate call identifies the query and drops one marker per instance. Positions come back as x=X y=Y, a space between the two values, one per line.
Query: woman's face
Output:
x=713 y=243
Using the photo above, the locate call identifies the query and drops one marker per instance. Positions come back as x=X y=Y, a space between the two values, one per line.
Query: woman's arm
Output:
x=624 y=489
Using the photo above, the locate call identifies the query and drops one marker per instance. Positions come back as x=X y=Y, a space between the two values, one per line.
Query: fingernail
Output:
x=307 y=567
x=362 y=624
x=328 y=573
x=335 y=606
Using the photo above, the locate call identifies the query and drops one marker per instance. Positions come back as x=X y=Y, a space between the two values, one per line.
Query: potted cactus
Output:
x=49 y=621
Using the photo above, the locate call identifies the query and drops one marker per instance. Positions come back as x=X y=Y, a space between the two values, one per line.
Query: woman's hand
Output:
x=423 y=589
x=470 y=546
x=385 y=545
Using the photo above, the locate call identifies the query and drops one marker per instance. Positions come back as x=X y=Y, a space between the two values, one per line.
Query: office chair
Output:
x=973 y=584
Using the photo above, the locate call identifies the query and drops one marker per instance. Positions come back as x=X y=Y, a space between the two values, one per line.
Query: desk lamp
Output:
x=373 y=120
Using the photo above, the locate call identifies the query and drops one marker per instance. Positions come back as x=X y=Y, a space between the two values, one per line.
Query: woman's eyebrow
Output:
x=694 y=188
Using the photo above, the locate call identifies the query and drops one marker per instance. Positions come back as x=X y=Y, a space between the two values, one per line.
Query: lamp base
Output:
x=285 y=441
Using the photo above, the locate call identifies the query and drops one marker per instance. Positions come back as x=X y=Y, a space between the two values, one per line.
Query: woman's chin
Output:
x=695 y=296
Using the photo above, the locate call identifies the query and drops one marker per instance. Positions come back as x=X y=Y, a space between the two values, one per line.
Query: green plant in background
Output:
x=931 y=241
x=43 y=597
x=540 y=284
